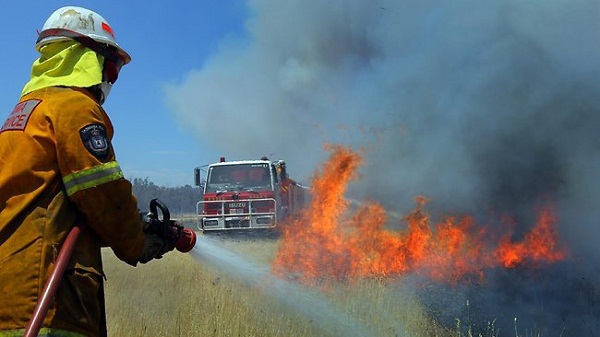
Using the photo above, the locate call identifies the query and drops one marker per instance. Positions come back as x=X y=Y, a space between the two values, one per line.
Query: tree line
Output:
x=179 y=200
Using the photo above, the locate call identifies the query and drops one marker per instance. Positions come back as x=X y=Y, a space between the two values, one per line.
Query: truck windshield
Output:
x=239 y=177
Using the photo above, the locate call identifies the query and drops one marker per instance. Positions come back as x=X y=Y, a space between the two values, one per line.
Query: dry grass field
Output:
x=179 y=295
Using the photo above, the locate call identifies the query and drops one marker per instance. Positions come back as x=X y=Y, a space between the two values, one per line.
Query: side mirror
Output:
x=197 y=176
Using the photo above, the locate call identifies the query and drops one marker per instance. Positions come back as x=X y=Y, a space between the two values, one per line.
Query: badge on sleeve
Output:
x=95 y=140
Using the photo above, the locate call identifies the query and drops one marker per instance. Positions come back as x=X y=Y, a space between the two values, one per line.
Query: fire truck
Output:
x=247 y=194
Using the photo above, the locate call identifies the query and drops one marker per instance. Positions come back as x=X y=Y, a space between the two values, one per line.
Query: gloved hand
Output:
x=165 y=230
x=154 y=247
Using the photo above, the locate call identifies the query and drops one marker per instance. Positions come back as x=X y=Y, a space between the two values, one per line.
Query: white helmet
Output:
x=73 y=22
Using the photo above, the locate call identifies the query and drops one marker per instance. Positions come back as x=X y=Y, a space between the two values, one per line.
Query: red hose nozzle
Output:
x=186 y=241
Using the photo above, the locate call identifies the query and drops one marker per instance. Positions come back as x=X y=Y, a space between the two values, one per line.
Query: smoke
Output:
x=483 y=107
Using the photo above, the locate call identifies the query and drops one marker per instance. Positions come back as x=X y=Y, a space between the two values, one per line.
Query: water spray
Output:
x=209 y=251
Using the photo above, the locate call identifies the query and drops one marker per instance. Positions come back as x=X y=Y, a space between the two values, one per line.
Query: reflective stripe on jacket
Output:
x=57 y=165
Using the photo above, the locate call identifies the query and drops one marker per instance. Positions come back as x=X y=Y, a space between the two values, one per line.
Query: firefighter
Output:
x=58 y=167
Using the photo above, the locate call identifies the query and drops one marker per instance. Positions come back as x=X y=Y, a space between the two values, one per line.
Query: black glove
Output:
x=159 y=237
x=154 y=247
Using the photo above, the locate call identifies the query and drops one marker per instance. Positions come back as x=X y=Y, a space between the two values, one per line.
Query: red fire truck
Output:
x=247 y=194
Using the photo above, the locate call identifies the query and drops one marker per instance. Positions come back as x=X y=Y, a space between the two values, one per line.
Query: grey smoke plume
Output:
x=479 y=105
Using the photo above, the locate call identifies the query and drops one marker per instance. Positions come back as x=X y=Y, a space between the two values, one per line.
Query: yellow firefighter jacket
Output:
x=57 y=165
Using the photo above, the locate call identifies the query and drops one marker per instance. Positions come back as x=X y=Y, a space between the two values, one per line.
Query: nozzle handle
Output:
x=156 y=204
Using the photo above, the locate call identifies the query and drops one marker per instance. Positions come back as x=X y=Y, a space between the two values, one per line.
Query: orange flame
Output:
x=539 y=245
x=331 y=241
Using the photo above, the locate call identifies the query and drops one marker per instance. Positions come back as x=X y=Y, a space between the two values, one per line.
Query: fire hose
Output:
x=183 y=239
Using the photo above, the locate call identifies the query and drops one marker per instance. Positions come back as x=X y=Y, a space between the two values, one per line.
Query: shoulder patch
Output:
x=95 y=140
x=18 y=118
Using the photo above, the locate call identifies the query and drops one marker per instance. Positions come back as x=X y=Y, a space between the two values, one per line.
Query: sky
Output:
x=481 y=106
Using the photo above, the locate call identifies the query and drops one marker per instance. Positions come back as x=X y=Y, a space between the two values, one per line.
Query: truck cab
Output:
x=242 y=195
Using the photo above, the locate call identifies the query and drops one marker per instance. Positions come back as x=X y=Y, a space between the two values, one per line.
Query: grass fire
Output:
x=330 y=241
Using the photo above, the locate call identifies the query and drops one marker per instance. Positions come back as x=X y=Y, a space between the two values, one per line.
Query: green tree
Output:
x=179 y=200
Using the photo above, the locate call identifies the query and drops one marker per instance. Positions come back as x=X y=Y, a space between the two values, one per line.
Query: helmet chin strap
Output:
x=105 y=91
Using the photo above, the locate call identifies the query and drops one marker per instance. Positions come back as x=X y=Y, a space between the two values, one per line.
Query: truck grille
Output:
x=227 y=214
